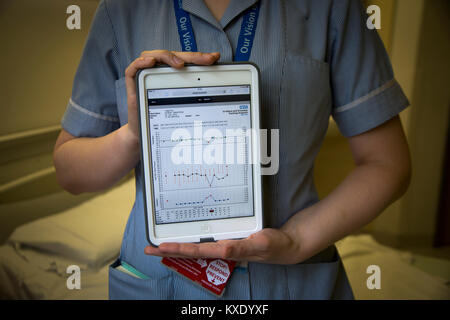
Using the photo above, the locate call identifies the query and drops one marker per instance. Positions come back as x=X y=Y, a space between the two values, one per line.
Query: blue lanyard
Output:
x=246 y=36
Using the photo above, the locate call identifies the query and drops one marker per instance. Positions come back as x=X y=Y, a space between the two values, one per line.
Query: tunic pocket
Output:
x=126 y=287
x=313 y=280
x=320 y=277
x=305 y=108
x=237 y=288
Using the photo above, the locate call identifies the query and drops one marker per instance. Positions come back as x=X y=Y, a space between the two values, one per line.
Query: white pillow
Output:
x=89 y=233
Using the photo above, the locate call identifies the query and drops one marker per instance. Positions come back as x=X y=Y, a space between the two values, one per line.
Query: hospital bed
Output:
x=35 y=258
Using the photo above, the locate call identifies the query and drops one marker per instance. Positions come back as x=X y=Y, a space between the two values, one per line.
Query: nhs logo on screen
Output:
x=243 y=107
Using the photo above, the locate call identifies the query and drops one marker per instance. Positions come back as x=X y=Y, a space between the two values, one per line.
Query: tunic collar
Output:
x=199 y=9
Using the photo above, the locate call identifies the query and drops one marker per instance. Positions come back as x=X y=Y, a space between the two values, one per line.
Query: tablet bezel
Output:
x=215 y=75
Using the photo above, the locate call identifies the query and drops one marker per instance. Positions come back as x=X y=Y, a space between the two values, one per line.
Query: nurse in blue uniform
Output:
x=317 y=59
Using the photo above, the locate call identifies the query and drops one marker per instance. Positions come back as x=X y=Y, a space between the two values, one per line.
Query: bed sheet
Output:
x=21 y=278
x=34 y=260
x=400 y=277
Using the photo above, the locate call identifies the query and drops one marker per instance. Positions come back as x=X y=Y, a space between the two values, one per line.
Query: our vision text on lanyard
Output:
x=246 y=36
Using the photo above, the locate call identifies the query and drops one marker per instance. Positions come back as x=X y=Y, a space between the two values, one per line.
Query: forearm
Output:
x=94 y=164
x=365 y=193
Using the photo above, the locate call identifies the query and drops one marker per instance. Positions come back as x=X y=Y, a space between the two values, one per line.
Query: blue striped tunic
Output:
x=317 y=59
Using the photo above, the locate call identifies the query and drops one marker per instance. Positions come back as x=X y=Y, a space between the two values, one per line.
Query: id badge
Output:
x=211 y=274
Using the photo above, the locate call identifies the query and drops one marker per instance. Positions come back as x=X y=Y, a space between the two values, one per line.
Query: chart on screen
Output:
x=201 y=162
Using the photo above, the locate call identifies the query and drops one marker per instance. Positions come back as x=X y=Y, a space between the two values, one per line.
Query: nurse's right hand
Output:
x=149 y=59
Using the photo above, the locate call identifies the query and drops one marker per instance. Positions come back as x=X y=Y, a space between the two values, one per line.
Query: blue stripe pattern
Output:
x=246 y=36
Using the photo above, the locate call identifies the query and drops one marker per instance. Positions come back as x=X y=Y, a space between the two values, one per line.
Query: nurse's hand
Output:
x=268 y=246
x=149 y=59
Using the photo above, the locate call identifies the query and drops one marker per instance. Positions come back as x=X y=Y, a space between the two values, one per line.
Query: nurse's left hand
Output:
x=268 y=246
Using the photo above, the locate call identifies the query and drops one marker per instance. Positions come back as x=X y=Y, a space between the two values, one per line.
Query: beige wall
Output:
x=38 y=60
x=405 y=38
x=39 y=55
x=420 y=51
x=428 y=124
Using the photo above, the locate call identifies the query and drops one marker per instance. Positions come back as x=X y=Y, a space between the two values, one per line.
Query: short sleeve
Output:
x=365 y=92
x=92 y=109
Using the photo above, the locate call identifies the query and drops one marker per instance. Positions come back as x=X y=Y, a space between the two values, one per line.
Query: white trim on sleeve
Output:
x=371 y=94
x=92 y=114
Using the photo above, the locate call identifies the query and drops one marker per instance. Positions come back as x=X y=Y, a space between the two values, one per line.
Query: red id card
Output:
x=211 y=274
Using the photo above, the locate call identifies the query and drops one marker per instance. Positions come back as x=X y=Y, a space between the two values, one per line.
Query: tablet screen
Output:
x=200 y=151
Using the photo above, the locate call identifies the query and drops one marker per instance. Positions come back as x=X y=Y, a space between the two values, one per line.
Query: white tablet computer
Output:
x=200 y=146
